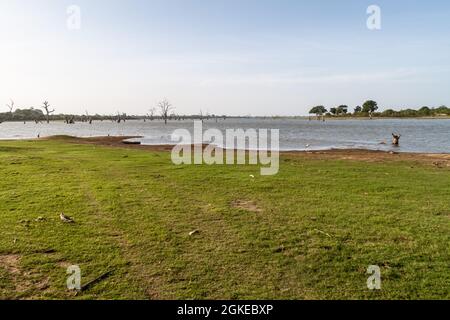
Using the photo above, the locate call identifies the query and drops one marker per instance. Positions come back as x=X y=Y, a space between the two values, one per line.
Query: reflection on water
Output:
x=418 y=135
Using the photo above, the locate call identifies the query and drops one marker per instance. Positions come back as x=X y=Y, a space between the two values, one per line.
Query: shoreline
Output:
x=440 y=160
x=307 y=118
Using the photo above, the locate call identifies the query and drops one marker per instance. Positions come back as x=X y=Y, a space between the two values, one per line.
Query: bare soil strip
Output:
x=435 y=159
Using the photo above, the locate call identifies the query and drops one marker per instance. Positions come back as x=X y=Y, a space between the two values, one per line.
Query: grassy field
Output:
x=309 y=232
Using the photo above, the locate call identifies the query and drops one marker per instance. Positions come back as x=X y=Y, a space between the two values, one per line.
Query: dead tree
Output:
x=165 y=107
x=88 y=117
x=69 y=120
x=151 y=113
x=11 y=108
x=396 y=139
x=46 y=107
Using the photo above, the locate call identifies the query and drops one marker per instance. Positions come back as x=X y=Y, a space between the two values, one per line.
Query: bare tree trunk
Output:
x=165 y=108
x=46 y=107
x=11 y=109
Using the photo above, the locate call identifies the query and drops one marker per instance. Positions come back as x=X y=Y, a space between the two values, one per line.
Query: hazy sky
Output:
x=257 y=57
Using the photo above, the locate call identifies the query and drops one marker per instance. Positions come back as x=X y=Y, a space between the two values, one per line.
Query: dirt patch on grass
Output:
x=10 y=263
x=435 y=160
x=22 y=281
x=64 y=264
x=246 y=205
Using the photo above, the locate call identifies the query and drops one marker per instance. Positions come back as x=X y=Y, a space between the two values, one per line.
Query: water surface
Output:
x=418 y=135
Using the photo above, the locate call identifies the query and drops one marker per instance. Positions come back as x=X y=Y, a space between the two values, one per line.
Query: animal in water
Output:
x=65 y=218
x=396 y=139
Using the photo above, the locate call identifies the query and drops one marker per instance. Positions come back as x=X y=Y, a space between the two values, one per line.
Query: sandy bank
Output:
x=438 y=160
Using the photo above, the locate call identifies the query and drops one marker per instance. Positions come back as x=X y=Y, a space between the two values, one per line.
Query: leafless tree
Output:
x=165 y=107
x=121 y=117
x=70 y=120
x=151 y=113
x=11 y=106
x=88 y=117
x=46 y=107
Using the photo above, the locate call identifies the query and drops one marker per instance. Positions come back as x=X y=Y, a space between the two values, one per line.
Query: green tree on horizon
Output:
x=342 y=109
x=318 y=110
x=370 y=106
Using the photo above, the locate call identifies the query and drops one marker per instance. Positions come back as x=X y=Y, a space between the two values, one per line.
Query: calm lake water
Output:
x=418 y=135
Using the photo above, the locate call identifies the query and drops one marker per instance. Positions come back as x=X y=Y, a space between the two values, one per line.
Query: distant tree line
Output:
x=166 y=112
x=38 y=115
x=22 y=115
x=163 y=111
x=370 y=109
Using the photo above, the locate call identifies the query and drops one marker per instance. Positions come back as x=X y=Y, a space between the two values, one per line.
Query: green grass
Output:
x=320 y=224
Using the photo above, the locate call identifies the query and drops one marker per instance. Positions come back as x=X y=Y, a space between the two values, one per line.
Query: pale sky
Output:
x=259 y=57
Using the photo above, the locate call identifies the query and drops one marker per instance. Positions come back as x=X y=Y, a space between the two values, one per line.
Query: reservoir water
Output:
x=418 y=135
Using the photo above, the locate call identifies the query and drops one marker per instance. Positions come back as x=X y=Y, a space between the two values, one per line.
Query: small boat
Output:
x=134 y=142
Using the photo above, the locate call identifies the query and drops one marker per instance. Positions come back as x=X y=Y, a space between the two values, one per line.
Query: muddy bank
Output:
x=438 y=160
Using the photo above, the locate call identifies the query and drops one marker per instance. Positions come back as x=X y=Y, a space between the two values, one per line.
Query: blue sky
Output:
x=235 y=57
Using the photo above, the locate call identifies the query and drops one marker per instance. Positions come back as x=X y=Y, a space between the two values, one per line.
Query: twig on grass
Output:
x=94 y=281
x=323 y=232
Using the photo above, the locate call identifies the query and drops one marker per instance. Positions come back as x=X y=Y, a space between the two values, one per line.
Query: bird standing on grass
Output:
x=65 y=218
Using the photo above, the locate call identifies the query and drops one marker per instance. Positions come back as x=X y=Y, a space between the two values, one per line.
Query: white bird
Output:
x=252 y=176
x=65 y=218
x=193 y=232
x=307 y=146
